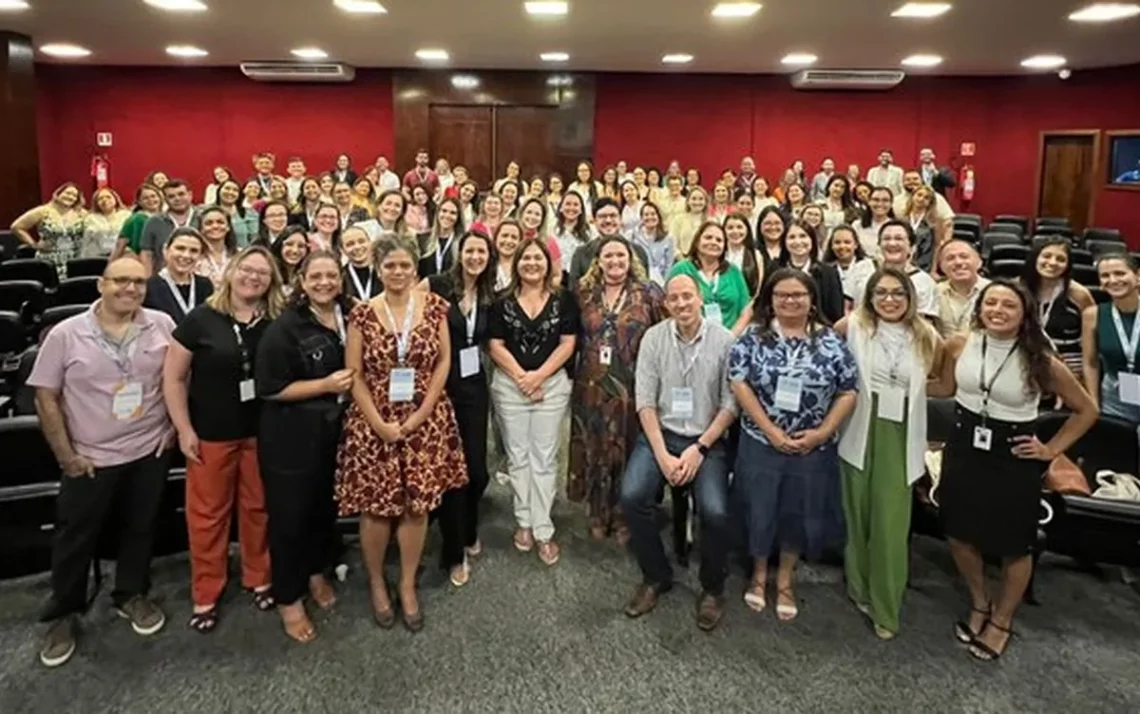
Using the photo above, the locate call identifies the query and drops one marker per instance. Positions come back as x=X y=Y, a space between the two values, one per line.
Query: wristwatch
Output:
x=703 y=449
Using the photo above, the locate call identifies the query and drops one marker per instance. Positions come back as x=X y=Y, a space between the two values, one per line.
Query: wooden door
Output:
x=463 y=136
x=1068 y=176
x=526 y=135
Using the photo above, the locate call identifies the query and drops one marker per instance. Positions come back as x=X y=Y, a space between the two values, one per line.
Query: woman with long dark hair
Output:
x=879 y=211
x=309 y=200
x=273 y=216
x=799 y=250
x=844 y=252
x=289 y=252
x=838 y=206
x=148 y=202
x=1060 y=302
x=742 y=252
x=326 y=231
x=770 y=227
x=725 y=296
x=221 y=244
x=586 y=187
x=244 y=220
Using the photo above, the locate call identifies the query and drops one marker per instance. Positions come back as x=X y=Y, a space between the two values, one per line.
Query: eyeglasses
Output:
x=611 y=215
x=789 y=297
x=122 y=282
x=883 y=294
x=254 y=272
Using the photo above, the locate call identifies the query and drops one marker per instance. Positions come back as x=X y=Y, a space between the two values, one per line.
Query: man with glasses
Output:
x=607 y=222
x=179 y=213
x=98 y=381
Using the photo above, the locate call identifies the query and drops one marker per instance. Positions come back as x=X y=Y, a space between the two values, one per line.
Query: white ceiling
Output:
x=975 y=37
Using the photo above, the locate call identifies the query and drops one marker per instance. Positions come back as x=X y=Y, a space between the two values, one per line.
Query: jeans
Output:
x=641 y=486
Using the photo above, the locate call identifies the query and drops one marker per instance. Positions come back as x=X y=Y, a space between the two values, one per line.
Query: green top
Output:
x=729 y=290
x=1112 y=358
x=132 y=230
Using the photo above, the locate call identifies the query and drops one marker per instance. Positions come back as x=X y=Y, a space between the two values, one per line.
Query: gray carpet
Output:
x=524 y=638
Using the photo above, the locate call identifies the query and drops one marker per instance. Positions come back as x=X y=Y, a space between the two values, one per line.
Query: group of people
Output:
x=355 y=365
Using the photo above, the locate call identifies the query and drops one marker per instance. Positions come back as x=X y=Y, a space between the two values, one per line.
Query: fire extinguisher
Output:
x=968 y=183
x=101 y=171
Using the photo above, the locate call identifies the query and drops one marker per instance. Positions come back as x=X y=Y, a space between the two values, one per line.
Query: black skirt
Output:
x=990 y=499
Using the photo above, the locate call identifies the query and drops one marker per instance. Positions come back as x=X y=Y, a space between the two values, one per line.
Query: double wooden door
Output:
x=484 y=139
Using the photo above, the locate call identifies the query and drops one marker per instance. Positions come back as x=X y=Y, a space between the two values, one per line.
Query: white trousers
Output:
x=530 y=433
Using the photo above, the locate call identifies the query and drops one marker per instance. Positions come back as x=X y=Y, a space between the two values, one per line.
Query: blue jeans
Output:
x=642 y=484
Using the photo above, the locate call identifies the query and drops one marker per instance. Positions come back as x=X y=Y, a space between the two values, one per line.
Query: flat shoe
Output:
x=755 y=599
x=460 y=575
x=386 y=619
x=787 y=613
x=413 y=623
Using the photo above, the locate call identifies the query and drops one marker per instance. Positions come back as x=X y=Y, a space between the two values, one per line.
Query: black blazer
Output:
x=159 y=297
x=943 y=181
x=829 y=298
x=349 y=176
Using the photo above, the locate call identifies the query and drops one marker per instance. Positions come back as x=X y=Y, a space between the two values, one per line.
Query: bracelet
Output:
x=703 y=449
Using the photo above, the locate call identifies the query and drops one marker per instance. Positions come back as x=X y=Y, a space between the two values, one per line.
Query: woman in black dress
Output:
x=1060 y=301
x=993 y=463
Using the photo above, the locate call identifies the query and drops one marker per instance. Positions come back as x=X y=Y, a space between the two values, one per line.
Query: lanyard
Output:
x=1047 y=306
x=338 y=320
x=344 y=219
x=404 y=336
x=982 y=372
x=713 y=284
x=894 y=358
x=616 y=306
x=246 y=359
x=182 y=304
x=183 y=224
x=1128 y=346
x=120 y=353
x=470 y=320
x=363 y=291
x=440 y=252
x=687 y=368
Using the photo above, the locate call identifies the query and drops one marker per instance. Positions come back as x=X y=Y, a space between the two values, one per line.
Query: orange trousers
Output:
x=229 y=472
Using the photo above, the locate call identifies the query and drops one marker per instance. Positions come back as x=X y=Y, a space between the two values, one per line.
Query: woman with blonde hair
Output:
x=208 y=385
x=930 y=229
x=148 y=201
x=102 y=225
x=58 y=227
x=362 y=192
x=683 y=227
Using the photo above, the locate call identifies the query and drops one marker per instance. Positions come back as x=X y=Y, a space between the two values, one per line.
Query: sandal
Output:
x=755 y=597
x=524 y=540
x=300 y=629
x=204 y=622
x=460 y=574
x=549 y=552
x=474 y=551
x=621 y=535
x=262 y=600
x=324 y=594
x=962 y=631
x=981 y=651
x=786 y=613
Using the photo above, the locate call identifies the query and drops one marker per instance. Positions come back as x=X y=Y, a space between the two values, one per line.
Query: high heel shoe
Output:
x=962 y=631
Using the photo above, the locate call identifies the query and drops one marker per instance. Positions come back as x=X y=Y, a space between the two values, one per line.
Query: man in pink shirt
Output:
x=98 y=381
x=421 y=175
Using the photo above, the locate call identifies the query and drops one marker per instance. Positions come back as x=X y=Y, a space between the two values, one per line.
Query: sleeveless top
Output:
x=1061 y=320
x=1010 y=399
x=1110 y=353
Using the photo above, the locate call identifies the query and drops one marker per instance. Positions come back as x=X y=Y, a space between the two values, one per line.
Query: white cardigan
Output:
x=853 y=441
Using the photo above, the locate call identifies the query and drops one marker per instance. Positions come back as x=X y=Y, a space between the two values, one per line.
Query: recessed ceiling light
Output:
x=736 y=9
x=63 y=49
x=178 y=5
x=364 y=7
x=464 y=81
x=310 y=53
x=677 y=58
x=13 y=4
x=547 y=8
x=1044 y=62
x=187 y=51
x=799 y=58
x=922 y=9
x=433 y=55
x=922 y=61
x=1106 y=12
x=554 y=56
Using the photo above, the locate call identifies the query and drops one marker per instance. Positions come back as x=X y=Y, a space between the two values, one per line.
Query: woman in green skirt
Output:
x=882 y=446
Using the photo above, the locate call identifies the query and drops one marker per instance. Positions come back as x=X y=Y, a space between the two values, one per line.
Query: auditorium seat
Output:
x=26 y=252
x=80 y=267
x=1051 y=221
x=1011 y=228
x=968 y=218
x=1102 y=234
x=1008 y=251
x=1098 y=247
x=1085 y=275
x=30 y=269
x=29 y=483
x=1022 y=221
x=1080 y=256
x=968 y=236
x=9 y=245
x=1055 y=230
x=77 y=291
x=989 y=240
x=25 y=298
x=13 y=340
x=1008 y=269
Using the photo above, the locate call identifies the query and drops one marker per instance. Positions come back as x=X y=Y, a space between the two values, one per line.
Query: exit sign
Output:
x=103 y=138
x=969 y=148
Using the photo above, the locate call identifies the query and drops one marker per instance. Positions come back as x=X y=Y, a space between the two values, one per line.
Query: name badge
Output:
x=246 y=392
x=606 y=355
x=682 y=406
x=468 y=362
x=788 y=393
x=892 y=404
x=403 y=385
x=983 y=438
x=1129 y=388
x=127 y=402
x=712 y=313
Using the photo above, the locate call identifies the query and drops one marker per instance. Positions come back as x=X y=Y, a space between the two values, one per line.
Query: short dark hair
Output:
x=175 y=183
x=895 y=223
x=605 y=203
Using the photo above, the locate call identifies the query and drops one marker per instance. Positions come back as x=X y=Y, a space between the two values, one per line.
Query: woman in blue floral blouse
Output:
x=795 y=379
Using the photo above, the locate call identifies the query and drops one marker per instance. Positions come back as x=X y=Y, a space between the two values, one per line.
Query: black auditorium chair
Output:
x=1012 y=228
x=29 y=483
x=41 y=271
x=1085 y=275
x=1099 y=294
x=968 y=236
x=1104 y=247
x=13 y=340
x=23 y=297
x=77 y=291
x=1102 y=234
x=990 y=240
x=1051 y=230
x=1009 y=251
x=968 y=218
x=26 y=252
x=1051 y=221
x=1080 y=256
x=81 y=267
x=1008 y=269
x=1021 y=221
x=9 y=245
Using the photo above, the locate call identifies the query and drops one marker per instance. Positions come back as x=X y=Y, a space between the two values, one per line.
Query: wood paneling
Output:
x=463 y=134
x=562 y=112
x=1068 y=175
x=20 y=175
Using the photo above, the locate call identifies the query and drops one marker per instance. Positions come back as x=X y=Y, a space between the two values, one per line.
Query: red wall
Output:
x=186 y=121
x=710 y=122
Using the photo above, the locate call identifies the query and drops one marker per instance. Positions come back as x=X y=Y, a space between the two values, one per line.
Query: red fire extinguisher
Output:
x=101 y=171
x=968 y=183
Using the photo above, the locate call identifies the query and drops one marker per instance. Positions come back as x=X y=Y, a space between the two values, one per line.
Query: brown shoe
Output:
x=643 y=601
x=710 y=608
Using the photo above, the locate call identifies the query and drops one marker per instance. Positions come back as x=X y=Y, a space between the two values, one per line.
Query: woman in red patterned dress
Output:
x=401 y=449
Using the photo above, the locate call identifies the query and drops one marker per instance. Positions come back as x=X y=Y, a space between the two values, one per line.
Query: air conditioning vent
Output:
x=847 y=79
x=298 y=71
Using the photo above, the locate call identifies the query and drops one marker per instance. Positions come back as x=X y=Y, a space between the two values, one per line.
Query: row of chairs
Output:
x=970 y=227
x=46 y=274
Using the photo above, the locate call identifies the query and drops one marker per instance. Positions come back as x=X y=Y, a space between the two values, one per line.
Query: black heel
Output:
x=962 y=631
x=983 y=652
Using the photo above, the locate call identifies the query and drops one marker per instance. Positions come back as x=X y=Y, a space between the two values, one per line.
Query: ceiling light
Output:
x=922 y=9
x=1106 y=12
x=62 y=49
x=554 y=56
x=464 y=81
x=178 y=5
x=547 y=8
x=799 y=58
x=13 y=4
x=364 y=7
x=922 y=61
x=186 y=51
x=433 y=55
x=736 y=9
x=677 y=58
x=559 y=80
x=310 y=53
x=1044 y=62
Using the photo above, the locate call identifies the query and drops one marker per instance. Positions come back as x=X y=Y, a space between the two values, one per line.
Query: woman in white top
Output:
x=683 y=227
x=812 y=214
x=842 y=249
x=742 y=253
x=760 y=195
x=771 y=227
x=554 y=186
x=878 y=213
x=631 y=204
x=102 y=224
x=721 y=203
x=992 y=468
x=571 y=229
x=897 y=245
x=508 y=237
x=586 y=187
x=221 y=244
x=883 y=443
x=838 y=205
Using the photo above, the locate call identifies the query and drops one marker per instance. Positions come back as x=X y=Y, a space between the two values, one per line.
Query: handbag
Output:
x=1117 y=487
x=1064 y=476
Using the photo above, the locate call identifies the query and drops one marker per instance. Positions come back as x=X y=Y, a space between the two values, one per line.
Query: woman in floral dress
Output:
x=58 y=226
x=618 y=303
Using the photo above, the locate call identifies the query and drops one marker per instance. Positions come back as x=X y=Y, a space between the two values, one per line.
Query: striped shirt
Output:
x=666 y=362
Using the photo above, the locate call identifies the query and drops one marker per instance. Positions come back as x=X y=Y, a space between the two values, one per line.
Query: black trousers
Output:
x=132 y=494
x=303 y=540
x=458 y=513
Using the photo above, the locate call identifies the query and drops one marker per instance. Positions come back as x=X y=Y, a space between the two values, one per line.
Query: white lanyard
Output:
x=183 y=224
x=1046 y=306
x=1128 y=346
x=712 y=285
x=403 y=337
x=121 y=353
x=695 y=344
x=440 y=252
x=344 y=219
x=364 y=292
x=792 y=356
x=339 y=317
x=182 y=304
x=895 y=358
x=246 y=357
x=470 y=320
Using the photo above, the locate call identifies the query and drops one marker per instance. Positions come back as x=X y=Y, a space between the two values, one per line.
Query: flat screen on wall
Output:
x=1124 y=160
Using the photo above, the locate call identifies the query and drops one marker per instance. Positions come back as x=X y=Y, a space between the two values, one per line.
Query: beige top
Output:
x=955 y=309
